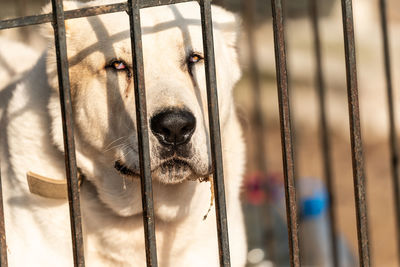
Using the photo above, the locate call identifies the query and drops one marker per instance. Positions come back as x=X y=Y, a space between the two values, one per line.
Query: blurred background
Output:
x=263 y=194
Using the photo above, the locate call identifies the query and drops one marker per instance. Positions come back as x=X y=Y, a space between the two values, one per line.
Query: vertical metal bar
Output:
x=326 y=147
x=286 y=132
x=68 y=130
x=3 y=244
x=394 y=154
x=215 y=135
x=355 y=134
x=142 y=132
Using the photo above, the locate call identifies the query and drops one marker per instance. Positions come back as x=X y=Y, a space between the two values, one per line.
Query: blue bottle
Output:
x=314 y=230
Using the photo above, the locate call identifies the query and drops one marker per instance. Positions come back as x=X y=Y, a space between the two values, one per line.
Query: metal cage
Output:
x=132 y=7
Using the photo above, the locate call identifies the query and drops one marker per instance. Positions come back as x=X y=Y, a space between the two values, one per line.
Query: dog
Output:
x=102 y=91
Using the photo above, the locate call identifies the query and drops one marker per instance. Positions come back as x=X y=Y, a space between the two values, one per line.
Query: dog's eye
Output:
x=194 y=58
x=118 y=65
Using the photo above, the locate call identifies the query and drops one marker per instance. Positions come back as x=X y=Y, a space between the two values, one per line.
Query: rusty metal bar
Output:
x=142 y=131
x=215 y=134
x=25 y=21
x=3 y=244
x=394 y=153
x=324 y=130
x=355 y=134
x=70 y=14
x=83 y=12
x=68 y=132
x=286 y=131
x=153 y=3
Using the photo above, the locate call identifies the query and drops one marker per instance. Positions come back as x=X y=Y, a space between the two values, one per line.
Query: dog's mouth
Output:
x=125 y=170
x=173 y=170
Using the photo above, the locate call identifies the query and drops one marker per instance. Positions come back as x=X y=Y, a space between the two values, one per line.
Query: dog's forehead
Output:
x=171 y=15
x=173 y=24
x=169 y=33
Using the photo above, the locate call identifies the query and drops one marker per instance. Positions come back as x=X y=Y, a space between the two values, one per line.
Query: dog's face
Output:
x=102 y=86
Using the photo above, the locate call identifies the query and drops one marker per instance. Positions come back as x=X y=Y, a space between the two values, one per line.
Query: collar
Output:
x=49 y=187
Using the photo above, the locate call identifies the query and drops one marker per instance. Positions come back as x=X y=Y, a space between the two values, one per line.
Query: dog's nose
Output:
x=173 y=127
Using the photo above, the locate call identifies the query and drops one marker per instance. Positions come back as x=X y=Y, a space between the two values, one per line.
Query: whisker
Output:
x=113 y=142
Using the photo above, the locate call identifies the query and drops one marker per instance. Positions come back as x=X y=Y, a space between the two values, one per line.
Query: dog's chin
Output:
x=172 y=171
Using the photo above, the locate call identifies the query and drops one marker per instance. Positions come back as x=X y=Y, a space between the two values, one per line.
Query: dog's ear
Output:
x=47 y=29
x=228 y=23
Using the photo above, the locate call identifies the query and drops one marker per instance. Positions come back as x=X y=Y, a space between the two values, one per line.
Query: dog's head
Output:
x=102 y=86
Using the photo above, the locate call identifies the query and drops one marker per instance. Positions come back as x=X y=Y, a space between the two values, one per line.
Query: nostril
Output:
x=165 y=131
x=173 y=127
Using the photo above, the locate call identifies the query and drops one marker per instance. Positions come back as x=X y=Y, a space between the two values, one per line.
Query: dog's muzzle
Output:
x=174 y=154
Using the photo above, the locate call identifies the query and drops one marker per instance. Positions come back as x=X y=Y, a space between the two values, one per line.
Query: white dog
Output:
x=99 y=51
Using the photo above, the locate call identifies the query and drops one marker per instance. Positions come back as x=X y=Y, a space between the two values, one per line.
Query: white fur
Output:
x=37 y=229
x=15 y=58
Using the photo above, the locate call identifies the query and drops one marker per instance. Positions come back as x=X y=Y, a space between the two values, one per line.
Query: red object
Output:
x=255 y=188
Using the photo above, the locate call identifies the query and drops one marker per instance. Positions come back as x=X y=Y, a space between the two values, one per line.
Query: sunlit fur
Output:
x=103 y=101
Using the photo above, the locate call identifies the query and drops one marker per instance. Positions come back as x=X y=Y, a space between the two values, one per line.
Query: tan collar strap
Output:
x=48 y=187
